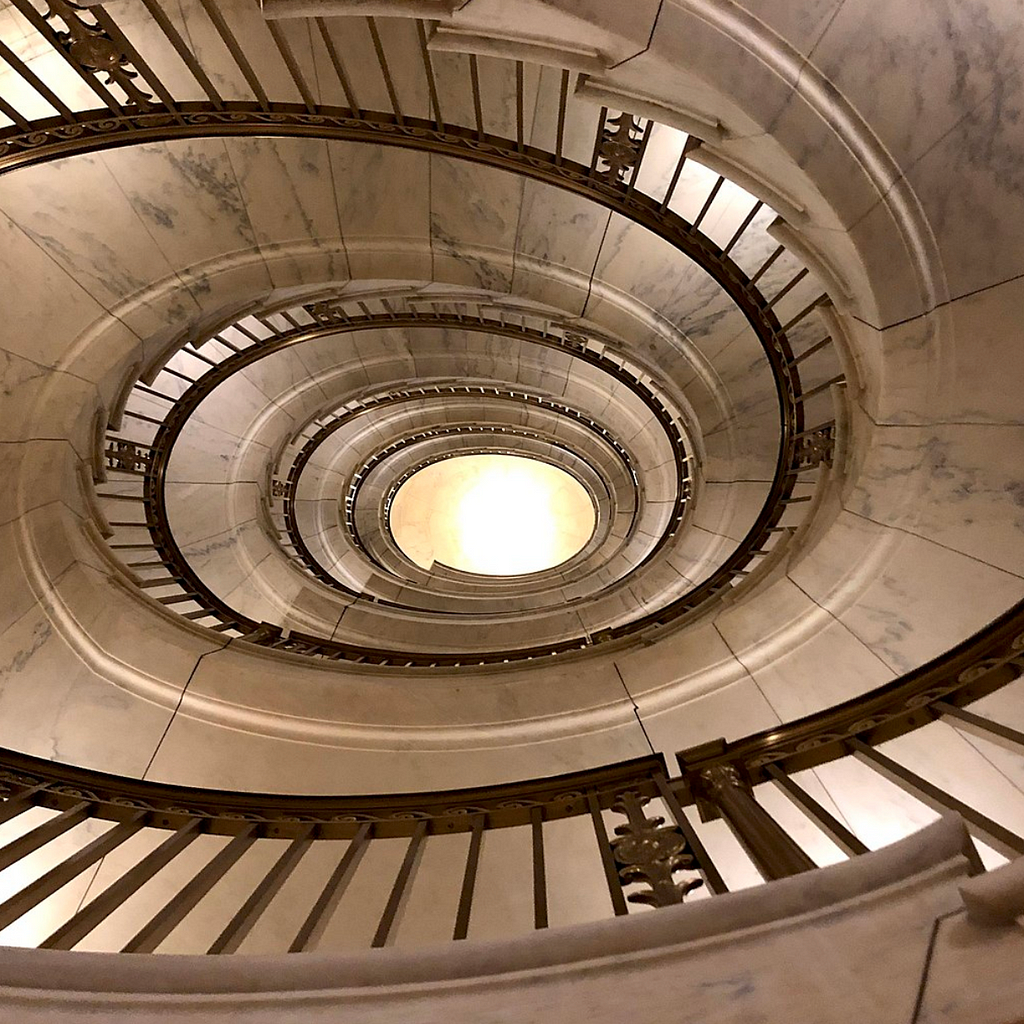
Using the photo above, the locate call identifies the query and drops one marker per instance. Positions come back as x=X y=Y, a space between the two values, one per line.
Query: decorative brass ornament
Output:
x=128 y=456
x=620 y=146
x=817 y=448
x=87 y=43
x=647 y=850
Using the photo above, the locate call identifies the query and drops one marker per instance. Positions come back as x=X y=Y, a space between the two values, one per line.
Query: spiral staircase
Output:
x=749 y=273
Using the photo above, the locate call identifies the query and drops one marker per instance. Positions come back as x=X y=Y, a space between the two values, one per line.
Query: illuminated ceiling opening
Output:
x=497 y=515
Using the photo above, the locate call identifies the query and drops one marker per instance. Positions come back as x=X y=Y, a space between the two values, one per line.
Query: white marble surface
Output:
x=24 y=260
x=253 y=754
x=594 y=29
x=969 y=181
x=54 y=705
x=912 y=581
x=400 y=210
x=833 y=665
x=559 y=229
x=297 y=174
x=952 y=60
x=474 y=206
x=78 y=214
x=187 y=197
x=968 y=488
x=199 y=203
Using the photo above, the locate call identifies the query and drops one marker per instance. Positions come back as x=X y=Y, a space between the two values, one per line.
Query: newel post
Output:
x=721 y=791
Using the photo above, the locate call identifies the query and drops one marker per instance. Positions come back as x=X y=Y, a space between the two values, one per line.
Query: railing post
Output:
x=770 y=847
x=720 y=790
x=611 y=873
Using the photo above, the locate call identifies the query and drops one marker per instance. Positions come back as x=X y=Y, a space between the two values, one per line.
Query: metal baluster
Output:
x=689 y=146
x=178 y=374
x=712 y=879
x=540 y=885
x=149 y=937
x=644 y=140
x=316 y=922
x=743 y=227
x=40 y=24
x=519 y=106
x=563 y=96
x=8 y=111
x=817 y=347
x=650 y=852
x=210 y=6
x=779 y=250
x=810 y=307
x=611 y=874
x=71 y=867
x=175 y=39
x=428 y=69
x=474 y=77
x=291 y=64
x=707 y=203
x=986 y=725
x=599 y=138
x=339 y=67
x=38 y=84
x=20 y=801
x=837 y=832
x=1008 y=843
x=469 y=879
x=839 y=378
x=43 y=834
x=793 y=282
x=384 y=69
x=242 y=923
x=148 y=75
x=69 y=934
x=394 y=903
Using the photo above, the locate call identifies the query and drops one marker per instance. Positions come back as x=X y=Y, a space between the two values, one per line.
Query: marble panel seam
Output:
x=929 y=540
x=860 y=640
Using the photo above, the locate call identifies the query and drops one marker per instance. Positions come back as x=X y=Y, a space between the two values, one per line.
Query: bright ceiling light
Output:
x=498 y=515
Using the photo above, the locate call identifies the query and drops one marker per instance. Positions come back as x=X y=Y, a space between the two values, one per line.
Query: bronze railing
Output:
x=641 y=858
x=146 y=462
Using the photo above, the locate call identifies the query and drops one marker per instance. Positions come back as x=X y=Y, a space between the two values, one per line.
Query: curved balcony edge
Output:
x=884 y=937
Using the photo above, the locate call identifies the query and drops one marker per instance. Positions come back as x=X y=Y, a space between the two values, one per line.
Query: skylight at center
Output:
x=497 y=515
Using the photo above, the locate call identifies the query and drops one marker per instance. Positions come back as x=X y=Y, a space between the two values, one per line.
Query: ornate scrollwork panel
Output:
x=649 y=851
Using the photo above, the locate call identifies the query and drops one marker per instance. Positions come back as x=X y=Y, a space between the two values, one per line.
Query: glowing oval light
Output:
x=498 y=515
